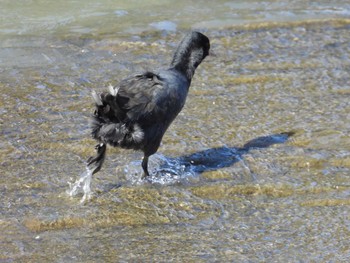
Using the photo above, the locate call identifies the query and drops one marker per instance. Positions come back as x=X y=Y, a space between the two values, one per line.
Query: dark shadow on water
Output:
x=216 y=158
x=166 y=170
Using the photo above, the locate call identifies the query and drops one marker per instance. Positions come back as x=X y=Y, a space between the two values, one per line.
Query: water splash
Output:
x=169 y=170
x=163 y=170
x=82 y=185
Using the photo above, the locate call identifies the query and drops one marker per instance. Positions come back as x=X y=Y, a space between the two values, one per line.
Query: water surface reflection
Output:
x=278 y=67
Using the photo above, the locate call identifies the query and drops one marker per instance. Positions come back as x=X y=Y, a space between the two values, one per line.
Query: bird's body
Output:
x=136 y=113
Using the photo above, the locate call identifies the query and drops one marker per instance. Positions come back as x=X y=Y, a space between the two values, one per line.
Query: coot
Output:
x=136 y=113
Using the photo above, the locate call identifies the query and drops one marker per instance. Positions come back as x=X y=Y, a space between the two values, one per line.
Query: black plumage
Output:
x=136 y=113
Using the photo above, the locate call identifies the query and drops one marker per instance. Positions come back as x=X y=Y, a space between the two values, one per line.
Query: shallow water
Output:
x=228 y=184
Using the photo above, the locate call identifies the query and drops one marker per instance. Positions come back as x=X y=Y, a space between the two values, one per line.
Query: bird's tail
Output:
x=108 y=123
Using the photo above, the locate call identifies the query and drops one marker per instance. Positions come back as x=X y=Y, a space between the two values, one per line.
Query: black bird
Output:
x=136 y=113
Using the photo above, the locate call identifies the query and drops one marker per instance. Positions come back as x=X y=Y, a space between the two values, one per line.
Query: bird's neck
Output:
x=186 y=62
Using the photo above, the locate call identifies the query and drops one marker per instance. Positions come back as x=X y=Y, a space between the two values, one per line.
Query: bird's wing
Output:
x=140 y=97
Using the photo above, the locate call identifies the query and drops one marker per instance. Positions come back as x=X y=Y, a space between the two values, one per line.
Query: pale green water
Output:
x=277 y=67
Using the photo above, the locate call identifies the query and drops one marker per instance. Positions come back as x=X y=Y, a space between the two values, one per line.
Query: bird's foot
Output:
x=95 y=163
x=145 y=176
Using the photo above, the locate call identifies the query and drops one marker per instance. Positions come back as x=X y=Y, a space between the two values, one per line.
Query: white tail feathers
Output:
x=97 y=98
x=112 y=90
x=137 y=134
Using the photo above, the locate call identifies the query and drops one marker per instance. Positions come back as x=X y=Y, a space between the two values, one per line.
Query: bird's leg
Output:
x=145 y=166
x=95 y=163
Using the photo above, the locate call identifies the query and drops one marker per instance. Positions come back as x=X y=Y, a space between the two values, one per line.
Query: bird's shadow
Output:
x=216 y=158
x=169 y=170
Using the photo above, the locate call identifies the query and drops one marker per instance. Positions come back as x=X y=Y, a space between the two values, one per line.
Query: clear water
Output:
x=226 y=184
